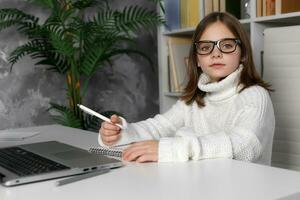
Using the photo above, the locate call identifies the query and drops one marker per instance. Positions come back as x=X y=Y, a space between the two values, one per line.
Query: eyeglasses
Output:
x=226 y=45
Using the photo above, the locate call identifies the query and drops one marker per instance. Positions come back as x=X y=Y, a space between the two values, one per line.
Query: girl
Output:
x=225 y=110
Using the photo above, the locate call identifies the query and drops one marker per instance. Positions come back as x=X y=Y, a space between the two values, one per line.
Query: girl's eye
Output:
x=227 y=46
x=205 y=48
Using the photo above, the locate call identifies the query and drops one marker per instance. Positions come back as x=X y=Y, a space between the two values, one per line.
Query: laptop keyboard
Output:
x=24 y=163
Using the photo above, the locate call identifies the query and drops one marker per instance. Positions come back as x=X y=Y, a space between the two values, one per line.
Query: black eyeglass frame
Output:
x=217 y=43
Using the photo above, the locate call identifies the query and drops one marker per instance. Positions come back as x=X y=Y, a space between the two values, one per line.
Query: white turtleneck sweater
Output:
x=230 y=125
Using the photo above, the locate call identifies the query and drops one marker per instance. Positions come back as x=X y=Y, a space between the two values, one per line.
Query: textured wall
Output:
x=129 y=87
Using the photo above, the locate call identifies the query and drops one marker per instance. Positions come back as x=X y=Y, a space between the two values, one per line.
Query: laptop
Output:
x=48 y=160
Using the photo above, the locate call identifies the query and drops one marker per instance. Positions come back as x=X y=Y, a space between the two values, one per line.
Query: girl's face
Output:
x=218 y=65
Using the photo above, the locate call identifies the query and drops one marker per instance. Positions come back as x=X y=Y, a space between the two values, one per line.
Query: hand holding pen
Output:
x=110 y=133
x=110 y=129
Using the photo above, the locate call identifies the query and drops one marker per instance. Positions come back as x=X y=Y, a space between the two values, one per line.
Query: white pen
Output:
x=81 y=177
x=91 y=112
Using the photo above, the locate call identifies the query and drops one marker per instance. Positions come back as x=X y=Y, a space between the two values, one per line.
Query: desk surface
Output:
x=206 y=179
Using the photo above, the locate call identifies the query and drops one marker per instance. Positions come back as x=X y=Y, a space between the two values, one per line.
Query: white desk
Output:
x=218 y=179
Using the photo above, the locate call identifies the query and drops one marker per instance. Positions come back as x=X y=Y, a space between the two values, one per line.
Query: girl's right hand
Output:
x=109 y=132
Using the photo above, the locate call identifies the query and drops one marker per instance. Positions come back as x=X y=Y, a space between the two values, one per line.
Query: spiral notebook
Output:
x=113 y=152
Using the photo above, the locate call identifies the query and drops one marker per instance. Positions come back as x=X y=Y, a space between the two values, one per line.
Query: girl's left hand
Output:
x=144 y=151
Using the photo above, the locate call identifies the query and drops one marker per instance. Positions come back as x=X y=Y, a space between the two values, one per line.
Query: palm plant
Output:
x=76 y=45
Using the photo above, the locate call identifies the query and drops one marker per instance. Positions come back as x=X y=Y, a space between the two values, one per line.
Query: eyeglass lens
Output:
x=225 y=46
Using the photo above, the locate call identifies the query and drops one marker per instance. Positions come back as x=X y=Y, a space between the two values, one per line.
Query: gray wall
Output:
x=129 y=87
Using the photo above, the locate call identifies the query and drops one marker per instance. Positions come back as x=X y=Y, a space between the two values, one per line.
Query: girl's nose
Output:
x=216 y=53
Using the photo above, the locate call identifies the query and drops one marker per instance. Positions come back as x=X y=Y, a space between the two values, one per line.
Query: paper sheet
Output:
x=11 y=135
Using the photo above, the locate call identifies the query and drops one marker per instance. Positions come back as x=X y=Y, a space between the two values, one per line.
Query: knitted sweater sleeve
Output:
x=162 y=125
x=252 y=128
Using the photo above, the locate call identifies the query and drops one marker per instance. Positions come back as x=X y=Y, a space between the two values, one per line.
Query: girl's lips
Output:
x=217 y=65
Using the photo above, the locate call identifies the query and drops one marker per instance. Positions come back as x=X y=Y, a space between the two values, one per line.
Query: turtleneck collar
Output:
x=224 y=89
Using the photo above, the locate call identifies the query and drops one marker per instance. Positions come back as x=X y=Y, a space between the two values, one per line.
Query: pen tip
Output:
x=78 y=104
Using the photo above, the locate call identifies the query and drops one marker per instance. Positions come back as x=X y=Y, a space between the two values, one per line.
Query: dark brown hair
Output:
x=249 y=75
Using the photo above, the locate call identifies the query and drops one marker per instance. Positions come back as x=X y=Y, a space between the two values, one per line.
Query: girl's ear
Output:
x=198 y=62
x=243 y=59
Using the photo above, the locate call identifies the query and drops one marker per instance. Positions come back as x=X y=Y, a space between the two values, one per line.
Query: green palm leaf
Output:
x=104 y=20
x=28 y=48
x=92 y=59
x=57 y=62
x=36 y=49
x=10 y=17
x=92 y=123
x=61 y=44
x=83 y=4
x=65 y=116
x=44 y=3
x=134 y=18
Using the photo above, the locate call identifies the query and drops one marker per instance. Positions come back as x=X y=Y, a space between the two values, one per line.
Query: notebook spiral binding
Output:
x=114 y=152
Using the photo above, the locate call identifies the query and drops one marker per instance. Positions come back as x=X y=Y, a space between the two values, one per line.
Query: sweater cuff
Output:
x=165 y=153
x=172 y=149
x=124 y=123
x=216 y=146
